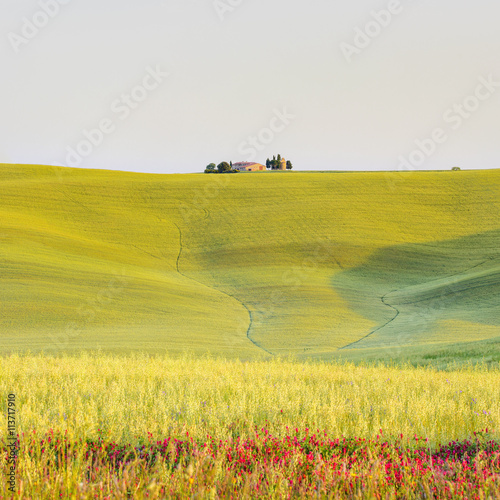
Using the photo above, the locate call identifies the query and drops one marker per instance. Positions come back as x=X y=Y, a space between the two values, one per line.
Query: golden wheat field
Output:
x=127 y=397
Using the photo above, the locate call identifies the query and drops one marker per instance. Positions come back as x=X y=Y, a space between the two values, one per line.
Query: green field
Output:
x=322 y=265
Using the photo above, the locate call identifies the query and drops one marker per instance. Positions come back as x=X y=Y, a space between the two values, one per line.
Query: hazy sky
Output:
x=176 y=84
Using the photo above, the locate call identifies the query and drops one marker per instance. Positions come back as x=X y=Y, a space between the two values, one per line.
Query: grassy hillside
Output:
x=248 y=265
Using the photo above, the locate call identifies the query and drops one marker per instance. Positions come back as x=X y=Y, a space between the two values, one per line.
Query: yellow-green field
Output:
x=127 y=397
x=138 y=426
x=357 y=265
x=108 y=278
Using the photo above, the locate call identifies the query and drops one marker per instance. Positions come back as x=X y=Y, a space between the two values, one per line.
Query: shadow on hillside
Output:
x=447 y=291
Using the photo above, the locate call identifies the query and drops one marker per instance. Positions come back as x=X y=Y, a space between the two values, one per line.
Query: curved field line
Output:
x=220 y=291
x=145 y=251
x=250 y=325
x=444 y=294
x=379 y=327
x=398 y=311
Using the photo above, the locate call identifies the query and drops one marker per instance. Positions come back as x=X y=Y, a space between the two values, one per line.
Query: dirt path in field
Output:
x=250 y=317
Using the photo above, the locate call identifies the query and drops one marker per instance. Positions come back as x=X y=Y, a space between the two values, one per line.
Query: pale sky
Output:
x=177 y=84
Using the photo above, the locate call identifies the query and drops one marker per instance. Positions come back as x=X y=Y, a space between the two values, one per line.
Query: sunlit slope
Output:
x=244 y=264
x=87 y=263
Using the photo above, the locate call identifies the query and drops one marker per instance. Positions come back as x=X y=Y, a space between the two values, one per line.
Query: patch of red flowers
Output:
x=308 y=461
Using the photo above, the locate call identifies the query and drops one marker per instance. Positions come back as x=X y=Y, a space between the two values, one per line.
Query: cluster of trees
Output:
x=227 y=168
x=222 y=168
x=275 y=163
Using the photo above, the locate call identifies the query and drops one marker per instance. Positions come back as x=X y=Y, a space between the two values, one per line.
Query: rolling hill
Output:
x=248 y=265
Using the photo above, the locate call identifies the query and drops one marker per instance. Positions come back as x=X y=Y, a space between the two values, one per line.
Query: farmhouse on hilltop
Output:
x=248 y=166
x=277 y=163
